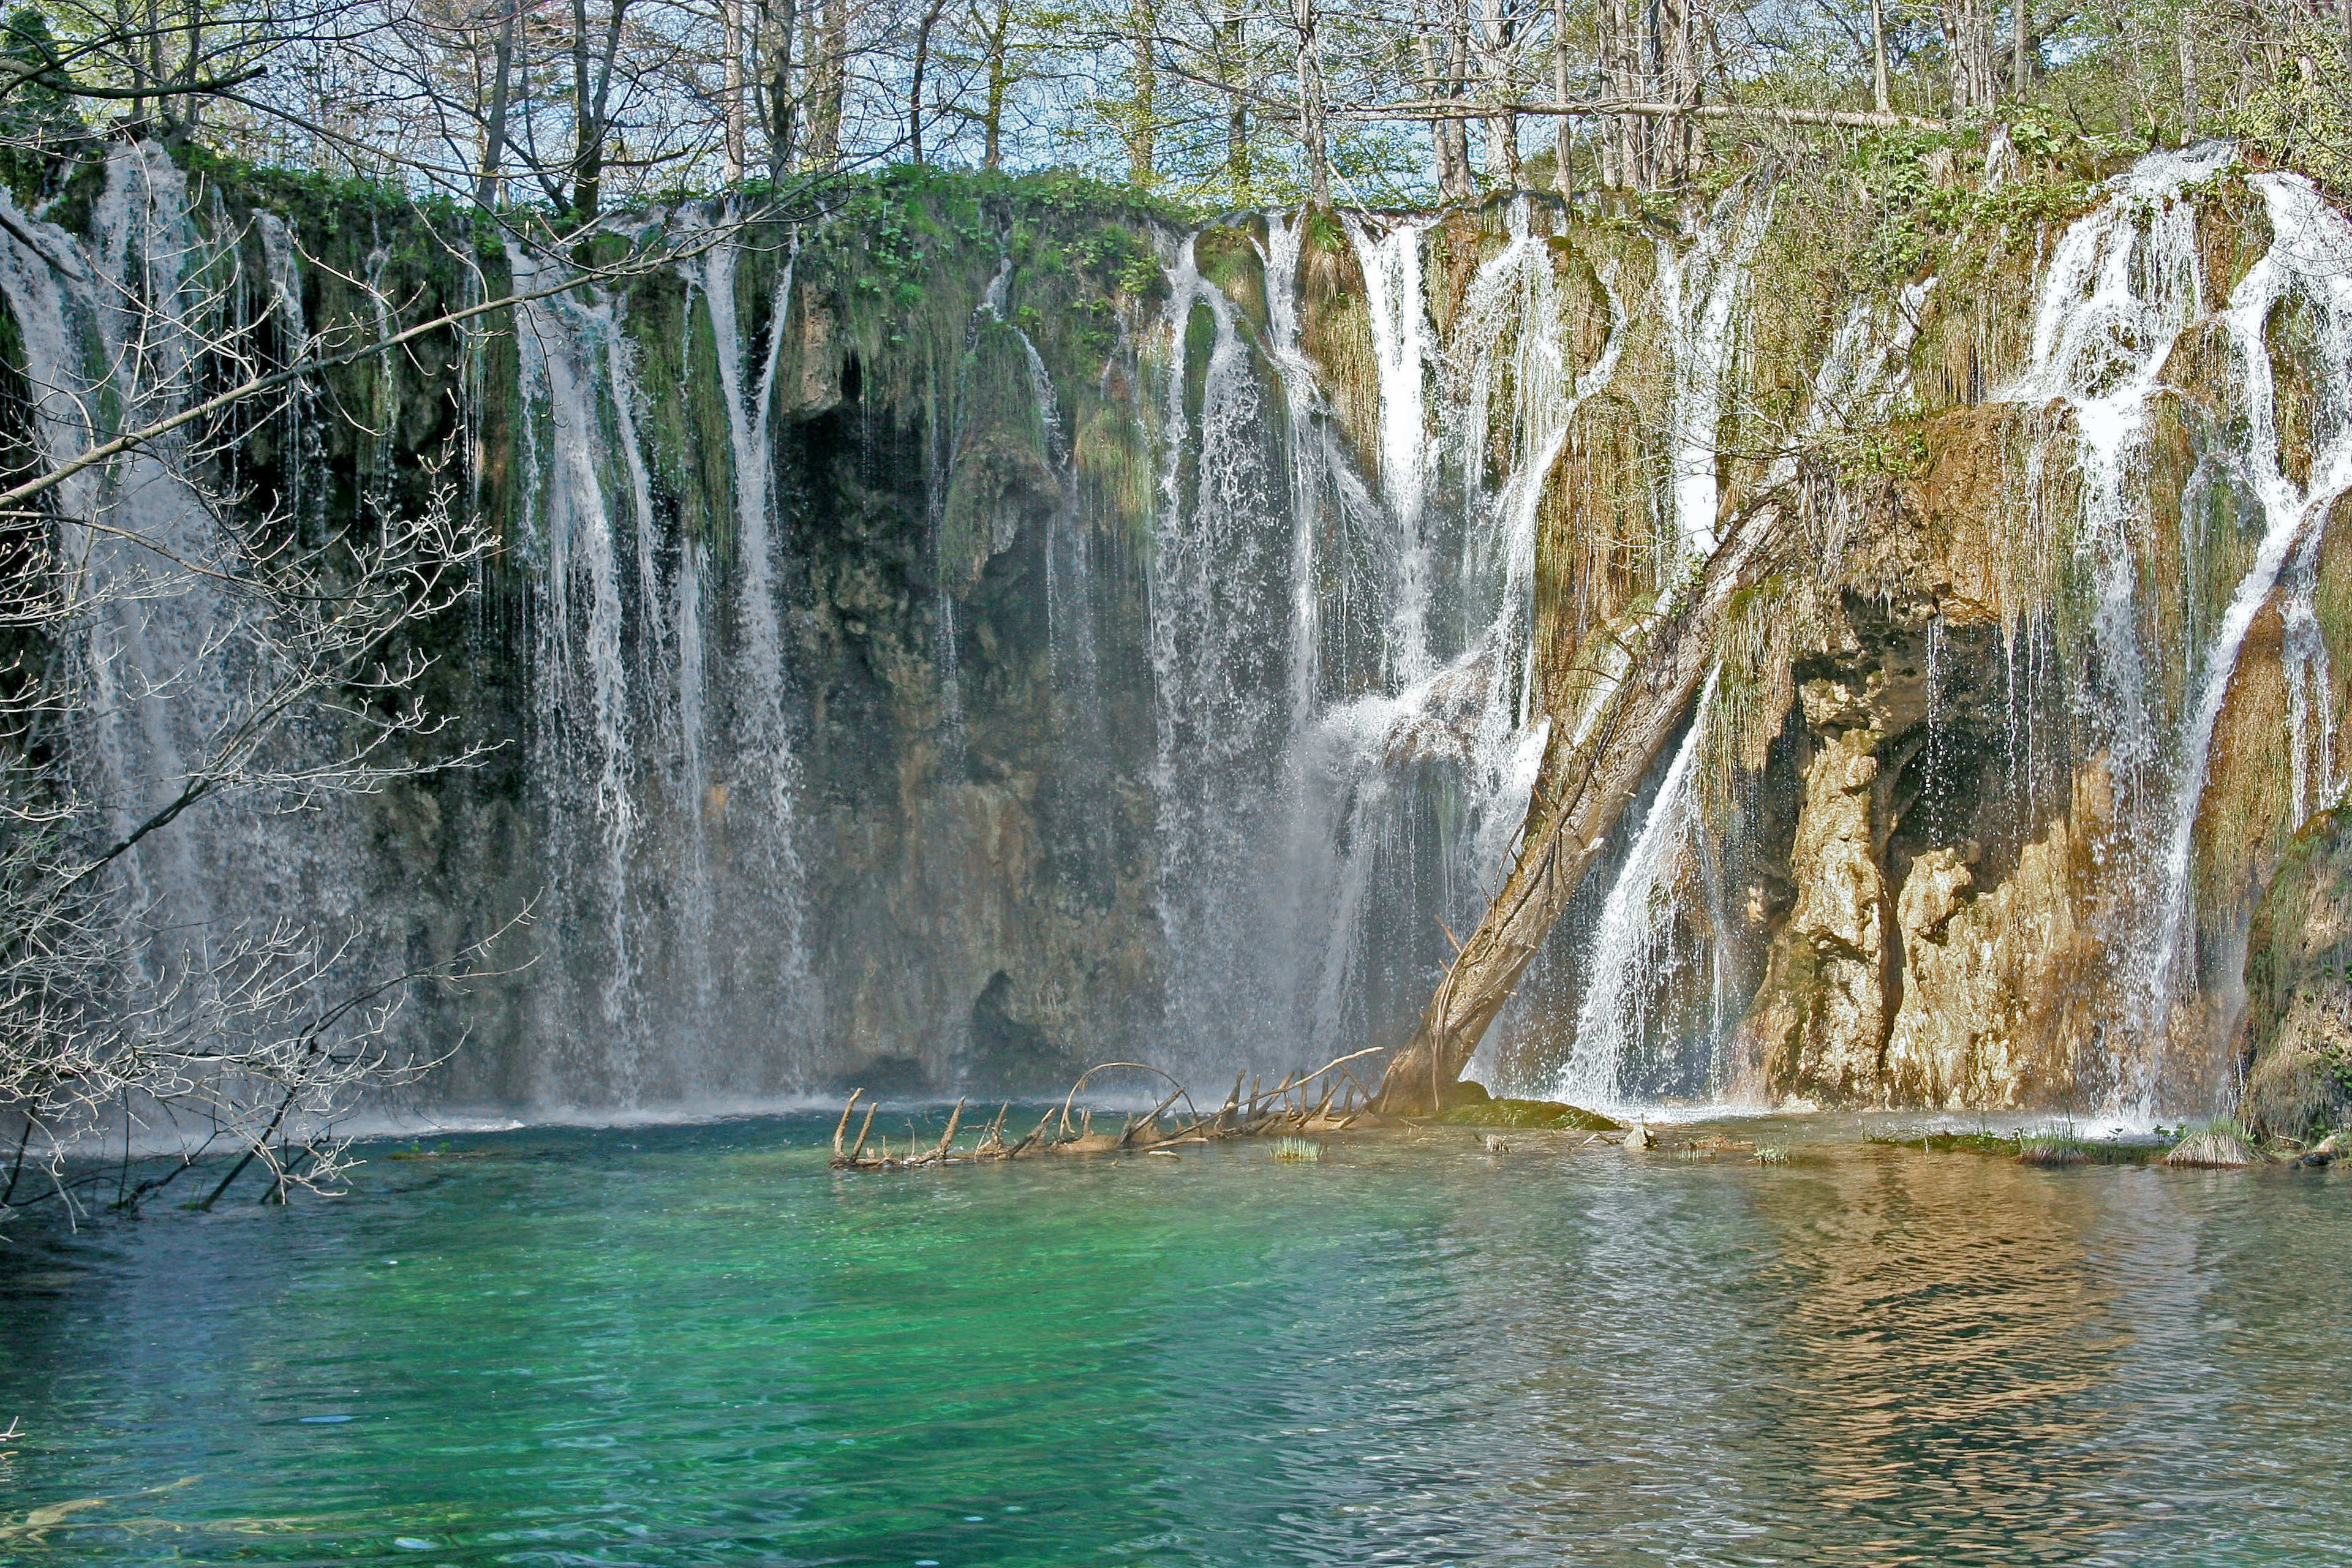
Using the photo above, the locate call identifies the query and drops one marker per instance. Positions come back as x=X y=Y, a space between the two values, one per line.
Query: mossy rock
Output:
x=1549 y=1113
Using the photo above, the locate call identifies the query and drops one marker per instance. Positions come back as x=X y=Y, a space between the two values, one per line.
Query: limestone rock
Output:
x=1820 y=1020
x=1989 y=977
x=2298 y=1024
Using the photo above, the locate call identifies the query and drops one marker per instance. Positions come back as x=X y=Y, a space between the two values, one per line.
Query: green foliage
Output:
x=2301 y=115
x=1885 y=449
x=1297 y=1151
x=42 y=137
x=1529 y=1114
x=1978 y=1143
x=1923 y=188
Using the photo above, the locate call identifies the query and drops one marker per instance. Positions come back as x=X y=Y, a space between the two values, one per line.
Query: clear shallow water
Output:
x=697 y=1345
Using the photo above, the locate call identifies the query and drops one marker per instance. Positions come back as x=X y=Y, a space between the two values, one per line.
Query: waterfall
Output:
x=1641 y=979
x=2122 y=286
x=1254 y=741
x=1700 y=291
x=762 y=744
x=1223 y=687
x=1400 y=351
x=2311 y=690
x=2310 y=247
x=563 y=345
x=1635 y=965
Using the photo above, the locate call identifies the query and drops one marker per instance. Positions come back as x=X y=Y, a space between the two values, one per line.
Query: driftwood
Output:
x=1292 y=1107
x=1580 y=792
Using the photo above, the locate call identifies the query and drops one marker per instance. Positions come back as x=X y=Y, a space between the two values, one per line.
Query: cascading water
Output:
x=114 y=330
x=2123 y=287
x=1327 y=621
x=1700 y=292
x=562 y=345
x=1637 y=966
x=1221 y=680
x=2310 y=247
x=1402 y=352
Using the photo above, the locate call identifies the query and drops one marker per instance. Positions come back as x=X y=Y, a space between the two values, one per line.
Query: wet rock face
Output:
x=1988 y=980
x=2297 y=1039
x=1824 y=1023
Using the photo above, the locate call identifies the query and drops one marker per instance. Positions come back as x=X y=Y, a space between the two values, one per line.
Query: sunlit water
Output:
x=698 y=1346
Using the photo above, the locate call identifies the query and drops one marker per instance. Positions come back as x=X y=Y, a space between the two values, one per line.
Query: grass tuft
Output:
x=1297 y=1151
x=2052 y=1149
x=2219 y=1144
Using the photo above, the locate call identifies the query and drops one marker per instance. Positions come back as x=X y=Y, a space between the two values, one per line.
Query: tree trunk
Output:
x=1000 y=81
x=1579 y=793
x=1678 y=74
x=828 y=82
x=1237 y=157
x=1311 y=108
x=591 y=82
x=1967 y=35
x=1624 y=136
x=777 y=31
x=587 y=136
x=915 y=88
x=1449 y=143
x=2021 y=46
x=730 y=77
x=1882 y=82
x=1143 y=138
x=1495 y=61
x=1563 y=179
x=494 y=134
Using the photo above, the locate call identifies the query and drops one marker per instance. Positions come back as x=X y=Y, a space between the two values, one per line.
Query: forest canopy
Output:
x=573 y=107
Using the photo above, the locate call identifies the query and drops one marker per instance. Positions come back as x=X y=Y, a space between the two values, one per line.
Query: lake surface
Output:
x=697 y=1345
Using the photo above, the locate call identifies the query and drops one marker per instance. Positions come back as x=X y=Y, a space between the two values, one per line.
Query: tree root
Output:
x=1291 y=1108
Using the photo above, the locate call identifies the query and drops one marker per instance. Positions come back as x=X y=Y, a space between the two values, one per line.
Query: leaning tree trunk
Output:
x=1579 y=793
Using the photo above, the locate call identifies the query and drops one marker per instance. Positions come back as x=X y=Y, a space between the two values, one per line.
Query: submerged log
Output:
x=1292 y=1108
x=1582 y=789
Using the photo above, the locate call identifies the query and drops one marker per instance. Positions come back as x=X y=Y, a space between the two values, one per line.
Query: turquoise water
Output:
x=700 y=1346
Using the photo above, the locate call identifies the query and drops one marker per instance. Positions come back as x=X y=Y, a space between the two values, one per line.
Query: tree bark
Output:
x=915 y=87
x=1310 y=107
x=1967 y=35
x=1563 y=179
x=784 y=109
x=1495 y=62
x=1448 y=144
x=494 y=134
x=731 y=78
x=1579 y=793
x=828 y=83
x=1237 y=159
x=1678 y=73
x=1000 y=81
x=1882 y=82
x=591 y=84
x=1623 y=137
x=1143 y=138
x=2021 y=46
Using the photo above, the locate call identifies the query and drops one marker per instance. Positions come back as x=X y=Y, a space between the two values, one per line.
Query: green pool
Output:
x=697 y=1345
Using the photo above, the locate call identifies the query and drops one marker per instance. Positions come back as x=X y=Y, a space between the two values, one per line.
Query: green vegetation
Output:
x=2043 y=1146
x=1534 y=1113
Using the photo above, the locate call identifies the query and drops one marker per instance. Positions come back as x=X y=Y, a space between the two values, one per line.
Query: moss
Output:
x=1543 y=1113
x=1000 y=476
x=1229 y=260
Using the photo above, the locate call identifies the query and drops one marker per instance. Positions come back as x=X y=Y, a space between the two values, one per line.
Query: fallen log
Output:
x=1288 y=1113
x=1581 y=791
